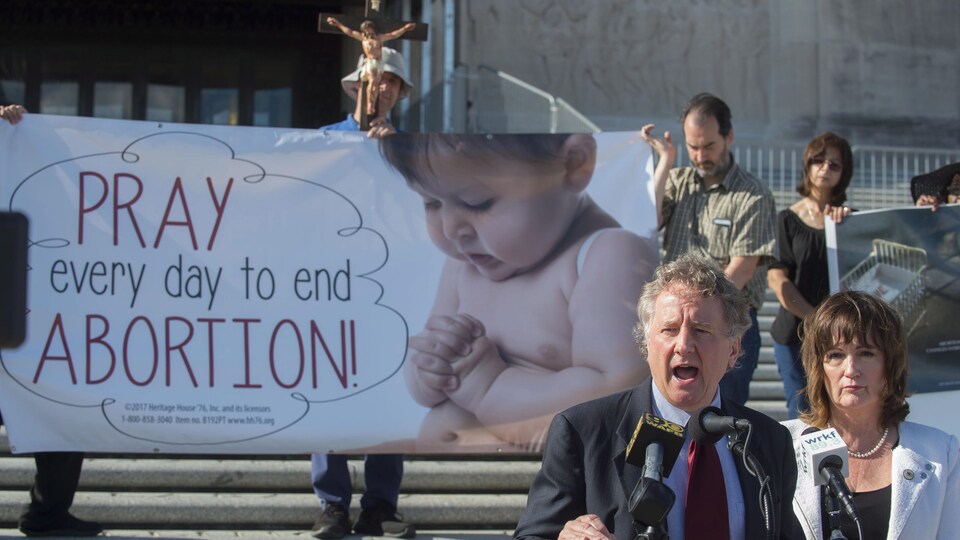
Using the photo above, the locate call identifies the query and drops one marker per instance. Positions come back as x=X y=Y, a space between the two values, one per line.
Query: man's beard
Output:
x=720 y=168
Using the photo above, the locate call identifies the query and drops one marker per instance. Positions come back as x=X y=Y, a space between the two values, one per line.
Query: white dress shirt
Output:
x=677 y=481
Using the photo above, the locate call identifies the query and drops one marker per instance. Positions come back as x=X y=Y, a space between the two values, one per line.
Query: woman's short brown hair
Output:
x=817 y=148
x=850 y=316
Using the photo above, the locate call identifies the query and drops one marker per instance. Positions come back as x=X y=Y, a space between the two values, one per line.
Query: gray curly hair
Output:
x=698 y=275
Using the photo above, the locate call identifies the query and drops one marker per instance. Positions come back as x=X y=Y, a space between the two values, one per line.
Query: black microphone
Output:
x=655 y=445
x=708 y=425
x=825 y=452
x=652 y=436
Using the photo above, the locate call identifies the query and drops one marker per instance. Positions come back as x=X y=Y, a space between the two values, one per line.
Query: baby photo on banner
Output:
x=213 y=289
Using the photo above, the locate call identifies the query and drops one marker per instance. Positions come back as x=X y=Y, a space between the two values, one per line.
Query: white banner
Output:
x=206 y=289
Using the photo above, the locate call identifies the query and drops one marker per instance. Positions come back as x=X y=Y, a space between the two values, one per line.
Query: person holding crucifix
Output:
x=394 y=86
x=330 y=476
x=372 y=42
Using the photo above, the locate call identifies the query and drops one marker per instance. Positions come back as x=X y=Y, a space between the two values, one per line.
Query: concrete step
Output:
x=766 y=390
x=269 y=511
x=769 y=309
x=765 y=321
x=776 y=409
x=272 y=475
x=174 y=534
x=766 y=372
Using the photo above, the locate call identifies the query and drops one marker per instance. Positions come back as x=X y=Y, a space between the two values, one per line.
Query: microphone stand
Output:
x=833 y=511
x=653 y=533
x=752 y=464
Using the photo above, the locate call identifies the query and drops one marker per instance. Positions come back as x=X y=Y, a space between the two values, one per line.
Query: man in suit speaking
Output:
x=692 y=319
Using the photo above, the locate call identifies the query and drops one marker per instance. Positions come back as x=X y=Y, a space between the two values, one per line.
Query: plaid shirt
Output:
x=735 y=218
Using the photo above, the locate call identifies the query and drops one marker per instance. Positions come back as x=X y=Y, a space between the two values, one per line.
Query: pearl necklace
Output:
x=874 y=450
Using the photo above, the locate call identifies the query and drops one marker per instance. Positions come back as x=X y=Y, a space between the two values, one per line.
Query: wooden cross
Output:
x=372 y=12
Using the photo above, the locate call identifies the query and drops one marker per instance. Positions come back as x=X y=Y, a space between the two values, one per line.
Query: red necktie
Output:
x=705 y=516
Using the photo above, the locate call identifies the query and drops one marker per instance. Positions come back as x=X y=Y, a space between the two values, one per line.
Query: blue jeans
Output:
x=735 y=385
x=382 y=474
x=793 y=376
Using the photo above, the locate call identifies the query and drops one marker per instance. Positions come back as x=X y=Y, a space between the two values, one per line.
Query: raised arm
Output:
x=345 y=29
x=398 y=32
x=605 y=359
x=666 y=155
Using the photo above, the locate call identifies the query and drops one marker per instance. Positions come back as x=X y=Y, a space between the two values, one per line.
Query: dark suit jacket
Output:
x=584 y=472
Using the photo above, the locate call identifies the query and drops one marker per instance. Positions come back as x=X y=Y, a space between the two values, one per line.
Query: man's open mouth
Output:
x=685 y=373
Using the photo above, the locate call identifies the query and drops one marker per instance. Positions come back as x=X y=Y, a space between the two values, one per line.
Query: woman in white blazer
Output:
x=904 y=476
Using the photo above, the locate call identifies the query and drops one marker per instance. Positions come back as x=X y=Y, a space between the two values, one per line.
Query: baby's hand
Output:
x=476 y=373
x=434 y=350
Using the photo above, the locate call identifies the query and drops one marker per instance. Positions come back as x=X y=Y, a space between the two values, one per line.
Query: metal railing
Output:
x=881 y=174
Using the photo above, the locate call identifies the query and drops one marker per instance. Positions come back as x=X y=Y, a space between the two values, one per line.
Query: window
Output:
x=113 y=100
x=211 y=85
x=272 y=107
x=165 y=103
x=219 y=106
x=59 y=97
x=12 y=91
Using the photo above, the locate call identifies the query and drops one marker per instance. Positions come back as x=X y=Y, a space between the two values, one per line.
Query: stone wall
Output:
x=878 y=71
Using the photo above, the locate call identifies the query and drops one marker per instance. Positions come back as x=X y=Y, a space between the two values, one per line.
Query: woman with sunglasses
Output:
x=799 y=277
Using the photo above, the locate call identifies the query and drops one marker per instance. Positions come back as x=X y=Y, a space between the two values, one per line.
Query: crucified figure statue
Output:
x=372 y=43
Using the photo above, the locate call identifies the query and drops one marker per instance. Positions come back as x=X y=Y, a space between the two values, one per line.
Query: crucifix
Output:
x=371 y=31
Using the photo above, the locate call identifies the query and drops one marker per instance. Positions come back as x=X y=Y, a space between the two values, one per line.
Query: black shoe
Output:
x=382 y=520
x=66 y=525
x=333 y=522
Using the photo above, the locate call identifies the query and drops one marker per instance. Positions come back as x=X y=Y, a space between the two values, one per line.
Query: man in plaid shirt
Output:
x=718 y=210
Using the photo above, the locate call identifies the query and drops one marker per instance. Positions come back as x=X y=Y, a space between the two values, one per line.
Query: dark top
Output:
x=874 y=509
x=803 y=254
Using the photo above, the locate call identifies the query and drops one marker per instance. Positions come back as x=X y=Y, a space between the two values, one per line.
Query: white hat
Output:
x=392 y=62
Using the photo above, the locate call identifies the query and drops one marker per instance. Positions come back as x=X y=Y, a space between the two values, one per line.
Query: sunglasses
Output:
x=832 y=165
